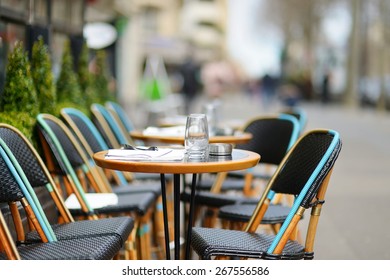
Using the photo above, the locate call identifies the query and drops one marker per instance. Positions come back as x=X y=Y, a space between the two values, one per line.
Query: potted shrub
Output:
x=19 y=104
x=68 y=89
x=43 y=77
x=85 y=77
x=101 y=78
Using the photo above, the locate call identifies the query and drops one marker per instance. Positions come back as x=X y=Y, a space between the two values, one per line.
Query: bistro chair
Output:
x=272 y=138
x=66 y=158
x=103 y=247
x=111 y=130
x=109 y=127
x=300 y=114
x=120 y=116
x=37 y=179
x=93 y=141
x=304 y=172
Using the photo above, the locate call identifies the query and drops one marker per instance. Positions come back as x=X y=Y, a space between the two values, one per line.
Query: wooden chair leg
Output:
x=131 y=244
x=144 y=237
x=158 y=229
x=20 y=235
x=6 y=241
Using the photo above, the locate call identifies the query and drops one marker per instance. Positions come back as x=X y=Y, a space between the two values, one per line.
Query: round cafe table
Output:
x=175 y=139
x=240 y=159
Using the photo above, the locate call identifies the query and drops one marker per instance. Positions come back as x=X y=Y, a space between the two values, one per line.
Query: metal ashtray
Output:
x=220 y=149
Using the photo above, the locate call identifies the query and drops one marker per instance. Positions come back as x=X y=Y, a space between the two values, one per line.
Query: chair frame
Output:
x=121 y=227
x=141 y=222
x=248 y=175
x=311 y=195
x=121 y=178
x=109 y=243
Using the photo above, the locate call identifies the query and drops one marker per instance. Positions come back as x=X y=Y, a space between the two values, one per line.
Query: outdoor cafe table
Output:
x=176 y=139
x=240 y=159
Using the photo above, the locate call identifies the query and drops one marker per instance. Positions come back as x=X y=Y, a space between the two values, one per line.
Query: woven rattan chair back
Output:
x=301 y=116
x=89 y=136
x=13 y=190
x=33 y=167
x=298 y=174
x=108 y=125
x=120 y=115
x=272 y=137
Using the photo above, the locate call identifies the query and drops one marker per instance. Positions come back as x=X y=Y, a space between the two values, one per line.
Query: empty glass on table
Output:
x=196 y=136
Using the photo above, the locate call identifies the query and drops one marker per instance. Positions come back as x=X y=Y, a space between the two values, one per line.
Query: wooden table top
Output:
x=232 y=139
x=240 y=159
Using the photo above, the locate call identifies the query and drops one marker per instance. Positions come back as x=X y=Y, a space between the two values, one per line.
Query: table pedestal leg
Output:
x=191 y=217
x=176 y=206
x=165 y=216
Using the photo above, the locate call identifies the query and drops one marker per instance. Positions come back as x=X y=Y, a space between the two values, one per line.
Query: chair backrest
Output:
x=13 y=189
x=67 y=153
x=85 y=130
x=272 y=137
x=300 y=114
x=309 y=154
x=34 y=168
x=304 y=172
x=120 y=115
x=88 y=135
x=109 y=127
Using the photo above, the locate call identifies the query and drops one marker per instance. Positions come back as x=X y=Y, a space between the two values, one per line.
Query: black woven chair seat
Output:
x=241 y=174
x=229 y=184
x=133 y=202
x=275 y=214
x=139 y=187
x=119 y=226
x=208 y=242
x=91 y=248
x=216 y=199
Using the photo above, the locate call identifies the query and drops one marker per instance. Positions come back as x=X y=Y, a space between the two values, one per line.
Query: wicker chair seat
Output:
x=116 y=226
x=132 y=202
x=275 y=214
x=217 y=199
x=208 y=242
x=91 y=248
x=139 y=187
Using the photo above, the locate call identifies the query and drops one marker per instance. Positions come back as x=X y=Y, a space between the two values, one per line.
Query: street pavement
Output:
x=355 y=221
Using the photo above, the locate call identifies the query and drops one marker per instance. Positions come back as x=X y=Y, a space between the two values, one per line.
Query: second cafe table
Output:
x=176 y=139
x=240 y=159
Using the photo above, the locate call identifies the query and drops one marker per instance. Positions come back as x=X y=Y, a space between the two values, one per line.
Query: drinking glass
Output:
x=196 y=136
x=211 y=114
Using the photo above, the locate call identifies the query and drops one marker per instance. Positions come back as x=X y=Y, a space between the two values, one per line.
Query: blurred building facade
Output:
x=360 y=65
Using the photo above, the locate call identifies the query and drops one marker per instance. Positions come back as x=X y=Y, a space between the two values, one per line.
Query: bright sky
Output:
x=256 y=46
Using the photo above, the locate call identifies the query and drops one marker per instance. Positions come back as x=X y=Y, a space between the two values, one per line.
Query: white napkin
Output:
x=165 y=131
x=138 y=155
x=95 y=200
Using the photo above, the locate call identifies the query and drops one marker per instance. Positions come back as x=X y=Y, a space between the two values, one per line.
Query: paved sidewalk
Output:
x=355 y=221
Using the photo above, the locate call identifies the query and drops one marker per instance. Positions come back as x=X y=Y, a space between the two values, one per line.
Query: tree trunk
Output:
x=352 y=94
x=383 y=54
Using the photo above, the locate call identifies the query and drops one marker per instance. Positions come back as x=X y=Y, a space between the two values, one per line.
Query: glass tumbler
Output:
x=196 y=136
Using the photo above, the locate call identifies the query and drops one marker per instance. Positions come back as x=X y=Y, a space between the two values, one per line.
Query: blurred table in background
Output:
x=175 y=135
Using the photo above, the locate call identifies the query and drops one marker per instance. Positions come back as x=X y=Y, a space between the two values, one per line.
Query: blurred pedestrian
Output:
x=268 y=89
x=325 y=98
x=189 y=71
